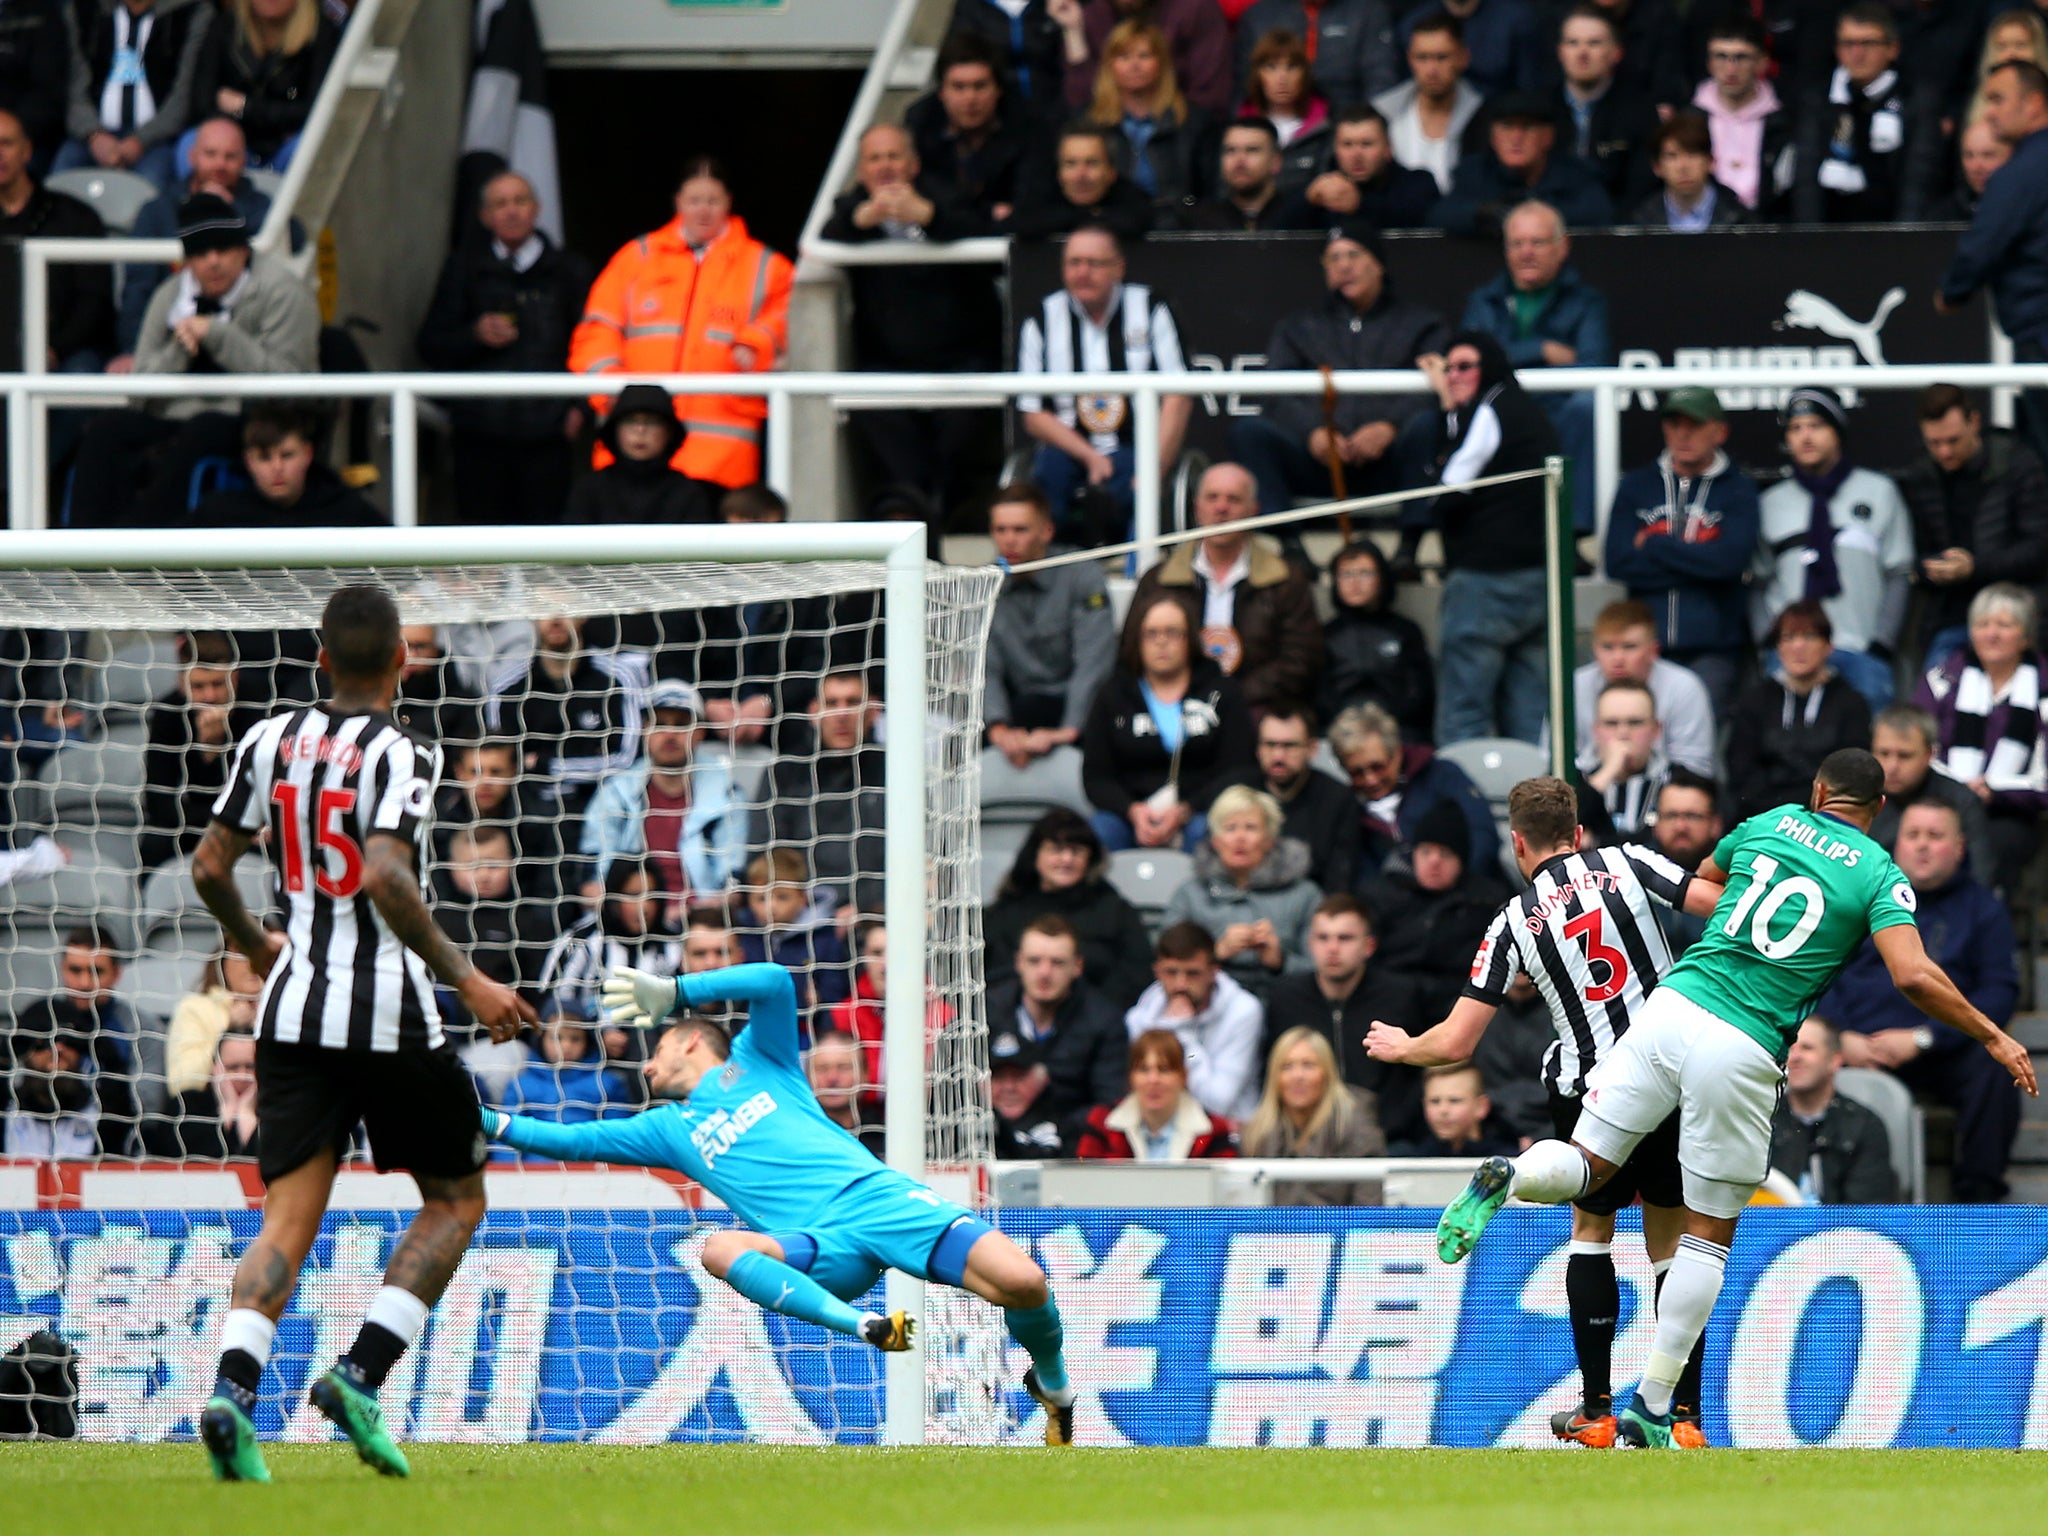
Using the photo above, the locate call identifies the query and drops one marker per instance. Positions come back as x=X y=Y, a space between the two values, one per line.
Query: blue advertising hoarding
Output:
x=1896 y=1326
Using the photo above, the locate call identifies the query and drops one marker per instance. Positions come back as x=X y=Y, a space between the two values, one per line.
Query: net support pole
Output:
x=405 y=459
x=904 y=897
x=1147 y=477
x=21 y=481
x=1560 y=550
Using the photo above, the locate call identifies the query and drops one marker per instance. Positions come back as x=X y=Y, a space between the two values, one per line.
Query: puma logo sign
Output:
x=1807 y=311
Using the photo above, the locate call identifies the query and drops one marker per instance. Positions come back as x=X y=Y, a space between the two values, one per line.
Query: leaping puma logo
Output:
x=1808 y=311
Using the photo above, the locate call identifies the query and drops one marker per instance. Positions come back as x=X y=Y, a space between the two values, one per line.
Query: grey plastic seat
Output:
x=170 y=900
x=87 y=890
x=1000 y=844
x=96 y=783
x=116 y=196
x=1022 y=795
x=1904 y=1122
x=1148 y=877
x=1497 y=763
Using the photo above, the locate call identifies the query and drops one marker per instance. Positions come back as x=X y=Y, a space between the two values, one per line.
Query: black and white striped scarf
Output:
x=2010 y=761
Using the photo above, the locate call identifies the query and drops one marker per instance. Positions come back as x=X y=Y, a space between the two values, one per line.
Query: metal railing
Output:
x=28 y=394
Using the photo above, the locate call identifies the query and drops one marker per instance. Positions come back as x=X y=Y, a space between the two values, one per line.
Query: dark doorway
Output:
x=623 y=134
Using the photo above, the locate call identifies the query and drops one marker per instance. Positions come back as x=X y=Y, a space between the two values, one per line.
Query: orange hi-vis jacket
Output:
x=657 y=309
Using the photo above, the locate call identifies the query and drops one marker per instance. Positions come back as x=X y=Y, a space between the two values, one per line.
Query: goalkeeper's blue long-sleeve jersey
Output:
x=751 y=1132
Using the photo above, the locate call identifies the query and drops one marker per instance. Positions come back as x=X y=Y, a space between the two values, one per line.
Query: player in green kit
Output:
x=1805 y=886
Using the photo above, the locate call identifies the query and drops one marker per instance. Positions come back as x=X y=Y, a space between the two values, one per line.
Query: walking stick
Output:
x=1332 y=457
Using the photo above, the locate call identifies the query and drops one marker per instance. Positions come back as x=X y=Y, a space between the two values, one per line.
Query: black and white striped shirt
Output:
x=1588 y=938
x=323 y=781
x=1137 y=335
x=578 y=962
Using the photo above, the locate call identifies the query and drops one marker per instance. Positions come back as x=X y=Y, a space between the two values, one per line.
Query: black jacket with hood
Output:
x=643 y=490
x=1373 y=655
x=1501 y=430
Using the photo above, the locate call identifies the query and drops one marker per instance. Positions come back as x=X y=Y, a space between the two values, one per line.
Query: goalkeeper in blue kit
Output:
x=827 y=1218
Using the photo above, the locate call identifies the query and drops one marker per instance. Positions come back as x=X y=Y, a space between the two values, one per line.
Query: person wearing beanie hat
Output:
x=1375 y=440
x=1520 y=161
x=1433 y=905
x=641 y=484
x=1839 y=535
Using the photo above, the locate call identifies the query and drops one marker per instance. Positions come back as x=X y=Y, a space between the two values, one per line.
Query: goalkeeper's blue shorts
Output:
x=884 y=1221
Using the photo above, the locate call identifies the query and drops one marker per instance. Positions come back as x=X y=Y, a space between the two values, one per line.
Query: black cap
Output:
x=1812 y=400
x=1445 y=825
x=1525 y=106
x=209 y=223
x=1012 y=1050
x=1359 y=232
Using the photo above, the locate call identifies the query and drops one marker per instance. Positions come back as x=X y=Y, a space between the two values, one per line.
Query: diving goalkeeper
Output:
x=827 y=1217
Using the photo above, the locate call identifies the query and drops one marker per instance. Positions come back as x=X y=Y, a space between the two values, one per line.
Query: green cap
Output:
x=1695 y=403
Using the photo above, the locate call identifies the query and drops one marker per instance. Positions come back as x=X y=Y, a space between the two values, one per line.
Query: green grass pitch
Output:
x=556 y=1490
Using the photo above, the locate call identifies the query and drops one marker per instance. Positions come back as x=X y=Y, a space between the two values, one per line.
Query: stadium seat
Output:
x=116 y=196
x=90 y=784
x=1000 y=843
x=1497 y=763
x=170 y=900
x=1148 y=877
x=30 y=943
x=85 y=890
x=1892 y=1102
x=139 y=669
x=264 y=180
x=1022 y=795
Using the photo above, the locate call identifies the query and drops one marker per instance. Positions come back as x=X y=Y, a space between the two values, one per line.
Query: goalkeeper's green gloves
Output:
x=633 y=998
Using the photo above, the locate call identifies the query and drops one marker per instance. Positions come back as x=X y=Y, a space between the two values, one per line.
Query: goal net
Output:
x=669 y=748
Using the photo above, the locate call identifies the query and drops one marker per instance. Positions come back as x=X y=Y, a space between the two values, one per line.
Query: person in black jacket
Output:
x=1833 y=1148
x=1363 y=180
x=1249 y=199
x=969 y=137
x=1374 y=655
x=1062 y=873
x=1869 y=144
x=1607 y=119
x=1167 y=733
x=264 y=72
x=1348 y=988
x=35 y=73
x=1691 y=200
x=638 y=486
x=1491 y=665
x=507 y=301
x=289 y=486
x=1081 y=188
x=1028 y=43
x=487 y=786
x=1980 y=514
x=1521 y=160
x=1359 y=324
x=192 y=733
x=1317 y=810
x=1051 y=1005
x=917 y=319
x=80 y=334
x=1433 y=908
x=1783 y=726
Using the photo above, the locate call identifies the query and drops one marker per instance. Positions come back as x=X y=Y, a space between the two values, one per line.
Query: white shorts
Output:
x=1723 y=1084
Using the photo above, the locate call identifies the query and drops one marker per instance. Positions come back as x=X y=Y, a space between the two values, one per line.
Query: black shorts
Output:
x=1651 y=1170
x=418 y=1105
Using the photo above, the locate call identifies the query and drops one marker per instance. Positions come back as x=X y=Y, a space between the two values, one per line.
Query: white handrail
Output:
x=28 y=392
x=355 y=40
x=846 y=153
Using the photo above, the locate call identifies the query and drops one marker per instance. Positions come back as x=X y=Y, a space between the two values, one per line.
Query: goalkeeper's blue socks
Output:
x=775 y=1285
x=1038 y=1330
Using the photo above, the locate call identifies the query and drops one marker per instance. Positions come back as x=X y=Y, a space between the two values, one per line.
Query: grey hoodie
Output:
x=1279 y=891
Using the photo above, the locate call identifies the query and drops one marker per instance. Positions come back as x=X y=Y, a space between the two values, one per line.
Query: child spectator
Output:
x=1692 y=200
x=777 y=919
x=1455 y=1104
x=566 y=1081
x=216 y=1121
x=1373 y=654
x=639 y=486
x=192 y=733
x=861 y=1015
x=289 y=486
x=1158 y=1119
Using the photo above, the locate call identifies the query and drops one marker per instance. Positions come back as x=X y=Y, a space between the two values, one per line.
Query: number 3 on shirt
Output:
x=1586 y=928
x=332 y=804
x=1763 y=869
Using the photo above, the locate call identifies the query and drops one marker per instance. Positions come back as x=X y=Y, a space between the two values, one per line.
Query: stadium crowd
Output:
x=681 y=791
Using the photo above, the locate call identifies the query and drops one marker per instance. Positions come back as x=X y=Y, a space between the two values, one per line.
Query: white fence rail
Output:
x=28 y=396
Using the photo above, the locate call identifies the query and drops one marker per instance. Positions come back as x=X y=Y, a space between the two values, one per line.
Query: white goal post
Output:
x=934 y=627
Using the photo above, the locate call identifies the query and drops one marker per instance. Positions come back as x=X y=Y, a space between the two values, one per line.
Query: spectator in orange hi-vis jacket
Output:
x=698 y=295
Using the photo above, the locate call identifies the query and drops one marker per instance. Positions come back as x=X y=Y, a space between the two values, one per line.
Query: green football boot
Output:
x=345 y=1401
x=1457 y=1233
x=230 y=1439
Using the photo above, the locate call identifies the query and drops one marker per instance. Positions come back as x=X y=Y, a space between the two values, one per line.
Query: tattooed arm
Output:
x=392 y=881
